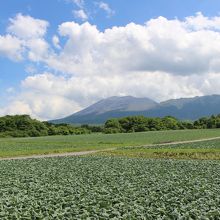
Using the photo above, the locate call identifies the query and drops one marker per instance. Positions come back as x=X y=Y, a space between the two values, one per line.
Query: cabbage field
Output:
x=94 y=187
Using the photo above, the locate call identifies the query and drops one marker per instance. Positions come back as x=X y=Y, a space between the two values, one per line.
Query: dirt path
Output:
x=51 y=155
x=95 y=151
x=182 y=142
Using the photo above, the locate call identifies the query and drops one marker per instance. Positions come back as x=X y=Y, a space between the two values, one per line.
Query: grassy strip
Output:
x=206 y=150
x=11 y=147
x=205 y=154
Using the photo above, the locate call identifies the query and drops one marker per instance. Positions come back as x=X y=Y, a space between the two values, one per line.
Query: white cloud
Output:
x=43 y=96
x=79 y=3
x=11 y=47
x=104 y=6
x=49 y=96
x=17 y=107
x=56 y=42
x=161 y=59
x=37 y=49
x=152 y=47
x=25 y=39
x=27 y=27
x=80 y=14
x=200 y=22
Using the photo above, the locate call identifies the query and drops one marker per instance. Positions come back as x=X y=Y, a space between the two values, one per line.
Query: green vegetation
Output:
x=24 y=126
x=109 y=188
x=141 y=123
x=211 y=154
x=197 y=150
x=21 y=126
x=126 y=180
x=72 y=143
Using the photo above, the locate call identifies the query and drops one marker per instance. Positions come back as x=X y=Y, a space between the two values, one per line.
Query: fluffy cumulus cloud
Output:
x=43 y=96
x=27 y=27
x=163 y=45
x=25 y=39
x=161 y=59
x=17 y=107
x=11 y=47
x=200 y=22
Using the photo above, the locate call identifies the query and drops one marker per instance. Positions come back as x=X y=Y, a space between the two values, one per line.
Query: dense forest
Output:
x=141 y=123
x=25 y=126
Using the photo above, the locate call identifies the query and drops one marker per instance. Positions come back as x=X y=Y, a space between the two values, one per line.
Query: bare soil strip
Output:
x=181 y=142
x=50 y=155
x=95 y=151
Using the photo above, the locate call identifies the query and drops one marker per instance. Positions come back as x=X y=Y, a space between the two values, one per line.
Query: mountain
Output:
x=98 y=112
x=115 y=107
x=115 y=103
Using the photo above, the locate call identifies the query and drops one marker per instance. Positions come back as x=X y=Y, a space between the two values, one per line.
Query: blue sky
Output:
x=57 y=11
x=16 y=74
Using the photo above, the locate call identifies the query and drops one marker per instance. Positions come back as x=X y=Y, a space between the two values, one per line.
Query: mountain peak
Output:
x=121 y=106
x=119 y=103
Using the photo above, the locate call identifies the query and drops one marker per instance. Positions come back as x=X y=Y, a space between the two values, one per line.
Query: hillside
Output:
x=115 y=107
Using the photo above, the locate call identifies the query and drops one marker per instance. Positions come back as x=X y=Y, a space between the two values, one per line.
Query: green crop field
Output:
x=59 y=144
x=130 y=182
x=93 y=187
x=197 y=150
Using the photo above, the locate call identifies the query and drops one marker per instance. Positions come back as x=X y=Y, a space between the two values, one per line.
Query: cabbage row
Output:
x=109 y=188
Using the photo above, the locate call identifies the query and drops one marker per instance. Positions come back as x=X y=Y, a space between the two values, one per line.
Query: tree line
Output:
x=25 y=126
x=141 y=124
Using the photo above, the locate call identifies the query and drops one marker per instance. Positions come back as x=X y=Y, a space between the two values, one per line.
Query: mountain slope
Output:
x=115 y=103
x=98 y=112
x=115 y=107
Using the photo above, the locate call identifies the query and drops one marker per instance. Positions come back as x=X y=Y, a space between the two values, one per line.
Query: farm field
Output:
x=60 y=144
x=196 y=150
x=132 y=181
x=94 y=187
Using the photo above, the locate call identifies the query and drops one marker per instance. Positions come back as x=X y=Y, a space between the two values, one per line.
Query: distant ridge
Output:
x=115 y=107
